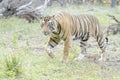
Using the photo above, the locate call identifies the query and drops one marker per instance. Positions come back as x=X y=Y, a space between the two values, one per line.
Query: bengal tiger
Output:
x=67 y=27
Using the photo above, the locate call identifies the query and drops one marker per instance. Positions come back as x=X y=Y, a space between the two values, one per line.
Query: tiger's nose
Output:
x=46 y=33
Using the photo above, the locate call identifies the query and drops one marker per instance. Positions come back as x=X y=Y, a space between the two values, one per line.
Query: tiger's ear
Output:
x=53 y=16
x=41 y=17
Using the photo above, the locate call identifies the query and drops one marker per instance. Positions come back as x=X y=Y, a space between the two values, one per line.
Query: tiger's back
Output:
x=79 y=25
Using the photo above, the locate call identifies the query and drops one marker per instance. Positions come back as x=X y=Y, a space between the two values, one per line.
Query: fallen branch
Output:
x=114 y=18
x=22 y=10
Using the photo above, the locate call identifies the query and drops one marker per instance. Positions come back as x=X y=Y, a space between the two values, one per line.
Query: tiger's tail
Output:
x=107 y=40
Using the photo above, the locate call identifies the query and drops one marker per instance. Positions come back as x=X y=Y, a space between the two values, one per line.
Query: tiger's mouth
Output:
x=46 y=33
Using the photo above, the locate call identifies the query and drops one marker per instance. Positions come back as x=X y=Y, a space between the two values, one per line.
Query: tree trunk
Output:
x=100 y=1
x=113 y=3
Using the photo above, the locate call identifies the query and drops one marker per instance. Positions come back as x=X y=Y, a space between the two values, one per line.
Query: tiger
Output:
x=68 y=27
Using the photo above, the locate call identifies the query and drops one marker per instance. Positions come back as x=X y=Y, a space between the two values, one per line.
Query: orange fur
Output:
x=64 y=26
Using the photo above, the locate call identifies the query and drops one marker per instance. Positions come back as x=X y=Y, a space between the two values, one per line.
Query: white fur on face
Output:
x=49 y=21
x=43 y=22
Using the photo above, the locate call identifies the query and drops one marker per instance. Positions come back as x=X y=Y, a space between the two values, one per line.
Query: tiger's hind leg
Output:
x=83 y=51
x=102 y=42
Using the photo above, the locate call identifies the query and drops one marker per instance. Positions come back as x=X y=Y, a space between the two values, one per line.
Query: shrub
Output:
x=13 y=67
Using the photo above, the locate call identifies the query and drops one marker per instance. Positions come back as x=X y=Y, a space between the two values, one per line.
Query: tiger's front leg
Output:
x=83 y=45
x=49 y=51
x=67 y=44
x=53 y=41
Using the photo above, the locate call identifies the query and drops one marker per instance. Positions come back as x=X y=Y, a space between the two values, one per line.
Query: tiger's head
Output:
x=48 y=25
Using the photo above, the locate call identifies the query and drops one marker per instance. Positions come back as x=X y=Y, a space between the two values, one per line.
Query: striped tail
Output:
x=106 y=40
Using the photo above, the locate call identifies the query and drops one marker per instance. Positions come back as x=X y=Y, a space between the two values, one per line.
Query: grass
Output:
x=21 y=42
x=13 y=66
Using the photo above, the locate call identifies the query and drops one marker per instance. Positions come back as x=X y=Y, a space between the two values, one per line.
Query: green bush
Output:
x=13 y=66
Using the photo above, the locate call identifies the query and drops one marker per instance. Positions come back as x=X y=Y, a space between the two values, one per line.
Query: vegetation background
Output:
x=22 y=55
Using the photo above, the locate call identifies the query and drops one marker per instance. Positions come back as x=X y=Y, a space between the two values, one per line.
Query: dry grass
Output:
x=27 y=42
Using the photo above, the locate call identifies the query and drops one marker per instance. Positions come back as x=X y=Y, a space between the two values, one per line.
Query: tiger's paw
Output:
x=79 y=58
x=64 y=61
x=49 y=52
x=102 y=59
x=51 y=55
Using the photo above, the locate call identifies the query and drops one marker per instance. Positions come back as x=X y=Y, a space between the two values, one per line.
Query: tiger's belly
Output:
x=75 y=38
x=81 y=36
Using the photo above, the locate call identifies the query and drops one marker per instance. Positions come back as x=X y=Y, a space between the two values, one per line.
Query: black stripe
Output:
x=106 y=39
x=80 y=28
x=82 y=44
x=62 y=35
x=59 y=27
x=81 y=35
x=75 y=38
x=86 y=36
x=54 y=41
x=51 y=45
x=80 y=25
x=101 y=46
x=101 y=43
x=73 y=20
x=55 y=37
x=88 y=22
x=85 y=25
